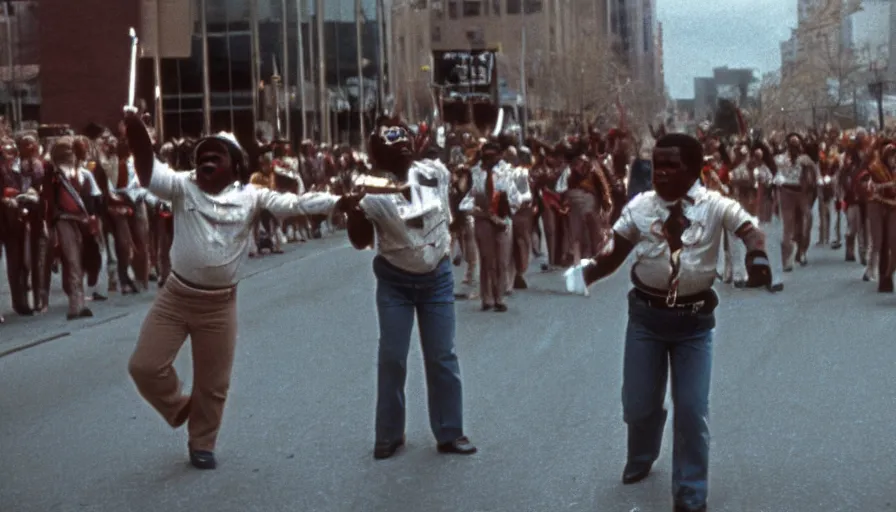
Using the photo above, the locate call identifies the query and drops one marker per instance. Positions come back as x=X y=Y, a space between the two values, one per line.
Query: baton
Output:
x=132 y=85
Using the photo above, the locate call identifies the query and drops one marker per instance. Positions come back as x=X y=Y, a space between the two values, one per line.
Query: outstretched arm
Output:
x=605 y=265
x=141 y=147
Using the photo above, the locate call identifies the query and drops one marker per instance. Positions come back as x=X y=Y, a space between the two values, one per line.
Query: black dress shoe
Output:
x=460 y=446
x=519 y=283
x=775 y=288
x=501 y=308
x=385 y=449
x=201 y=459
x=634 y=473
x=487 y=307
x=98 y=297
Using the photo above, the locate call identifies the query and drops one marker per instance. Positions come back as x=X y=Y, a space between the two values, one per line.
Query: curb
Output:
x=64 y=334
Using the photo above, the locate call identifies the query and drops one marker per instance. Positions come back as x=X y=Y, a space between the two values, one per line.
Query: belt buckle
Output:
x=697 y=306
x=672 y=297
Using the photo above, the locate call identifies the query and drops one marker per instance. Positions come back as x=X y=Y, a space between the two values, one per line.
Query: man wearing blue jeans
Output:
x=408 y=216
x=676 y=234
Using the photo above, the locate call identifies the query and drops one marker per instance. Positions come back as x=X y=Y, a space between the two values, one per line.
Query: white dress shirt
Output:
x=503 y=181
x=212 y=233
x=641 y=223
x=413 y=237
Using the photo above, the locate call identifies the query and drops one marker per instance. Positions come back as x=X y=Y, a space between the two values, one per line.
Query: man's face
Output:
x=794 y=145
x=671 y=179
x=28 y=148
x=214 y=166
x=490 y=158
x=65 y=155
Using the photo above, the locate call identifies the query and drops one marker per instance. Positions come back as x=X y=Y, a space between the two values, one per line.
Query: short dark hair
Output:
x=690 y=148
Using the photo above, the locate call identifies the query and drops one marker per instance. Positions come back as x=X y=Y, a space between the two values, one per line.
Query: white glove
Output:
x=575 y=279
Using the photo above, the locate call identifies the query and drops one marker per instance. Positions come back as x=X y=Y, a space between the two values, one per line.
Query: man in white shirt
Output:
x=212 y=214
x=675 y=232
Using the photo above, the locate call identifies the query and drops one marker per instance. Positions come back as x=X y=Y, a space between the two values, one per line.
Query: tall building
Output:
x=551 y=28
x=868 y=32
x=19 y=60
x=85 y=57
x=633 y=24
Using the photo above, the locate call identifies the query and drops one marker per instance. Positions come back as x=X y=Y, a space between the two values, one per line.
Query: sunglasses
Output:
x=393 y=134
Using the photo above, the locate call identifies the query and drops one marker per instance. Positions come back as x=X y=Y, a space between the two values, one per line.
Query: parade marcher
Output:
x=73 y=198
x=795 y=175
x=880 y=179
x=213 y=212
x=676 y=232
x=492 y=200
x=264 y=178
x=522 y=223
x=855 y=204
x=769 y=218
x=414 y=279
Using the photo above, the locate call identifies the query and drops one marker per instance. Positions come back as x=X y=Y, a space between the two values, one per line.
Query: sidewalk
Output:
x=20 y=333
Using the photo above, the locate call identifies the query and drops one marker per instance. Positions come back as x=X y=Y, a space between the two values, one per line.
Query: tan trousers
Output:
x=132 y=247
x=494 y=247
x=881 y=224
x=522 y=244
x=71 y=245
x=209 y=319
x=794 y=210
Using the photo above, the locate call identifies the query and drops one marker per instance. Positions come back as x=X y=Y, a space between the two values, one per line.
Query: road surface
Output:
x=802 y=403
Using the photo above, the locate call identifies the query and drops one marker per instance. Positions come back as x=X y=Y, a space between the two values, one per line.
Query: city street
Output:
x=803 y=403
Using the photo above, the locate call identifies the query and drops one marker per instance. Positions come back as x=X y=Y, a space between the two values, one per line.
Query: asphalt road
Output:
x=803 y=403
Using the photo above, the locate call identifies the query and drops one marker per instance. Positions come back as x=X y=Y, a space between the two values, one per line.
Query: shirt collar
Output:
x=695 y=194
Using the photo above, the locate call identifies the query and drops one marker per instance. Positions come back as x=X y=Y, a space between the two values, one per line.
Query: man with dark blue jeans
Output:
x=408 y=216
x=676 y=234
x=400 y=297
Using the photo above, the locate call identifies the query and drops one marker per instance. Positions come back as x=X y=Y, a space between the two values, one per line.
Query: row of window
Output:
x=476 y=8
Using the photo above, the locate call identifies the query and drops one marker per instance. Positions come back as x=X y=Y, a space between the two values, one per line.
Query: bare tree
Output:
x=824 y=76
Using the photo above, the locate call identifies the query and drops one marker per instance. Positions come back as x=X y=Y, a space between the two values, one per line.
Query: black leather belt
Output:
x=703 y=302
x=200 y=287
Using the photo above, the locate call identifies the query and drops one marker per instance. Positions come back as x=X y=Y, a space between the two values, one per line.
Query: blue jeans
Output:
x=400 y=297
x=655 y=341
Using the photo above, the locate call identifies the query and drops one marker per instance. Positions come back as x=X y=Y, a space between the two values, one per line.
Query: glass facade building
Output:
x=240 y=96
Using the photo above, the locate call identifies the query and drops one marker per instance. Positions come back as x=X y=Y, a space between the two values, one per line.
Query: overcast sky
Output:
x=700 y=35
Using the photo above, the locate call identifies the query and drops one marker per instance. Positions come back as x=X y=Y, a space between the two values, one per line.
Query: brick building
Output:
x=84 y=60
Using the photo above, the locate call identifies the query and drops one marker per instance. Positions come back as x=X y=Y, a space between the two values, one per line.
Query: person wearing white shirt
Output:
x=212 y=214
x=675 y=232
x=492 y=200
x=414 y=281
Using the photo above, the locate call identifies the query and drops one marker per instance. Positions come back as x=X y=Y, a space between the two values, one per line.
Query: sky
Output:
x=699 y=35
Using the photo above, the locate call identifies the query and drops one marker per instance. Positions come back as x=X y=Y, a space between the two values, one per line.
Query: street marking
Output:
x=34 y=344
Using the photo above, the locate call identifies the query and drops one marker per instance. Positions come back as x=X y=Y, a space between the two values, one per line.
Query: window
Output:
x=533 y=6
x=452 y=9
x=472 y=8
x=436 y=34
x=513 y=6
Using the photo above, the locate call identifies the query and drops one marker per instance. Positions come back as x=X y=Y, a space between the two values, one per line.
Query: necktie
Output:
x=490 y=190
x=673 y=228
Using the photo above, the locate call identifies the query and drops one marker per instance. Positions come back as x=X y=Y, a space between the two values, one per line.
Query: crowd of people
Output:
x=185 y=213
x=557 y=203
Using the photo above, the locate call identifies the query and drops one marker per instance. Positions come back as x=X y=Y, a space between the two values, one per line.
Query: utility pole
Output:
x=324 y=97
x=300 y=65
x=287 y=133
x=359 y=14
x=206 y=85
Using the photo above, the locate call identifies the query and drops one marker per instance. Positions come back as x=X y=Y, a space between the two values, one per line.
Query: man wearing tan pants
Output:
x=213 y=214
x=796 y=173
